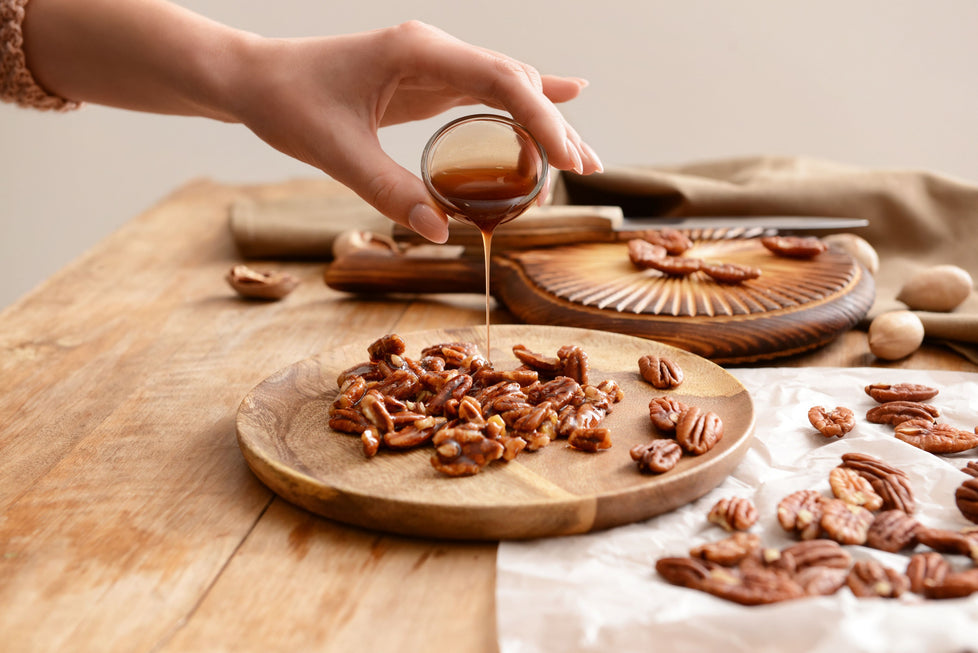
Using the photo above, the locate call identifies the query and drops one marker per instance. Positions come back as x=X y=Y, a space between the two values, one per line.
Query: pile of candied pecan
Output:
x=472 y=414
x=664 y=249
x=872 y=504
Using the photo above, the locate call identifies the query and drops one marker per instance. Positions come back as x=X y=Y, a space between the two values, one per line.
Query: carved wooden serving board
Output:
x=283 y=434
x=794 y=306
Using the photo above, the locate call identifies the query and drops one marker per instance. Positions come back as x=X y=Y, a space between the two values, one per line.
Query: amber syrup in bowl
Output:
x=484 y=170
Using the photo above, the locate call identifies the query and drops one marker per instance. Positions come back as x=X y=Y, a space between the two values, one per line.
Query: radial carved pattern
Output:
x=601 y=276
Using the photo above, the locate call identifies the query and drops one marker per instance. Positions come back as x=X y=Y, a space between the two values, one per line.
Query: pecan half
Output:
x=869 y=578
x=794 y=246
x=572 y=418
x=817 y=553
x=884 y=392
x=560 y=392
x=896 y=412
x=850 y=487
x=685 y=572
x=698 y=431
x=673 y=241
x=574 y=363
x=384 y=347
x=656 y=457
x=641 y=252
x=730 y=272
x=591 y=439
x=935 y=437
x=892 y=484
x=971 y=468
x=543 y=364
x=661 y=372
x=801 y=512
x=730 y=550
x=966 y=498
x=844 y=522
x=927 y=570
x=821 y=581
x=945 y=540
x=733 y=514
x=664 y=413
x=954 y=585
x=835 y=423
x=675 y=266
x=463 y=452
x=892 y=531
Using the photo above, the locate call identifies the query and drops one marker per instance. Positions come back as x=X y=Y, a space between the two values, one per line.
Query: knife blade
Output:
x=550 y=225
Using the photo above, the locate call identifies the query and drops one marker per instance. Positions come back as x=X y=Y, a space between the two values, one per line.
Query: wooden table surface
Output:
x=128 y=518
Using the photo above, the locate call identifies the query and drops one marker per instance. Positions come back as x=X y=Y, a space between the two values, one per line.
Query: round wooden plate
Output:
x=283 y=433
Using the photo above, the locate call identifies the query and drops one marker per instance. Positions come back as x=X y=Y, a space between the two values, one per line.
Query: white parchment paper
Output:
x=600 y=592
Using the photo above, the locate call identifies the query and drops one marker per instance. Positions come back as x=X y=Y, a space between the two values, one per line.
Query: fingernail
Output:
x=583 y=83
x=424 y=220
x=575 y=156
x=593 y=156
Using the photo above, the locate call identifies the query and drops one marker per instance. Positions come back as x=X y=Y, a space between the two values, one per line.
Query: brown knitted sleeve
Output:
x=16 y=82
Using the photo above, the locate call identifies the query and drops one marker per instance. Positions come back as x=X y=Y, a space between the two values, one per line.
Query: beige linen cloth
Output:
x=916 y=218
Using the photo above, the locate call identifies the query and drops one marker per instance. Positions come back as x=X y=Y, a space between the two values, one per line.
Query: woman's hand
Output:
x=322 y=101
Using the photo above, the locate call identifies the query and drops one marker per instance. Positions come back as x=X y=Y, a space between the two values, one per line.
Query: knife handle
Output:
x=366 y=272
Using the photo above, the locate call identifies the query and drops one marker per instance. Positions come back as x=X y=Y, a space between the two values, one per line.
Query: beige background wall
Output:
x=882 y=83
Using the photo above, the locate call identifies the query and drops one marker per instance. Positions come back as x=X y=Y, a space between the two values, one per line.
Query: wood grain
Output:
x=796 y=305
x=555 y=491
x=129 y=520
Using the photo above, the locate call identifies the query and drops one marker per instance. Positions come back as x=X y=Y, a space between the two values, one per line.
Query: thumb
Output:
x=390 y=188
